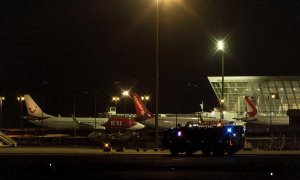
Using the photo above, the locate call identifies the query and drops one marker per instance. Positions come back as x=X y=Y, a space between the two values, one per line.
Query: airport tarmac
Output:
x=93 y=163
x=95 y=151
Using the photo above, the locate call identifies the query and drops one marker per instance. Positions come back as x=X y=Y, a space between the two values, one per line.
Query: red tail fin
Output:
x=254 y=110
x=140 y=108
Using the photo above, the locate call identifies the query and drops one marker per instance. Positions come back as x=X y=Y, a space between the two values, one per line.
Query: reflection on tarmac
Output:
x=93 y=163
x=95 y=151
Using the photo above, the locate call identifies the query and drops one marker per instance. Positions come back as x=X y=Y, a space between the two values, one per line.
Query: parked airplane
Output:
x=252 y=117
x=249 y=115
x=265 y=119
x=164 y=122
x=39 y=118
x=255 y=117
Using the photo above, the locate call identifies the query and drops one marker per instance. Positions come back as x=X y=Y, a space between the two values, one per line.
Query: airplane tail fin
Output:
x=250 y=103
x=33 y=109
x=140 y=108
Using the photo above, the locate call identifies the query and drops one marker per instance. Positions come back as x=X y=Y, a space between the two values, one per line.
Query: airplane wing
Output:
x=75 y=120
x=87 y=126
x=100 y=127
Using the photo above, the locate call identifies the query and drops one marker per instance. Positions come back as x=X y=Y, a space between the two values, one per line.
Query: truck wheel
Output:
x=174 y=151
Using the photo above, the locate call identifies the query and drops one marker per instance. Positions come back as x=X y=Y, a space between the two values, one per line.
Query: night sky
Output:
x=65 y=52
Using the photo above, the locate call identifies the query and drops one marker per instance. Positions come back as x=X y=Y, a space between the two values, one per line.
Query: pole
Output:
x=156 y=89
x=21 y=112
x=270 y=111
x=270 y=118
x=74 y=112
x=222 y=100
x=74 y=106
x=124 y=106
x=116 y=103
x=95 y=109
x=2 y=124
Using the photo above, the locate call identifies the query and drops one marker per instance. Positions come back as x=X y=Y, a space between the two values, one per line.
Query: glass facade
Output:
x=272 y=95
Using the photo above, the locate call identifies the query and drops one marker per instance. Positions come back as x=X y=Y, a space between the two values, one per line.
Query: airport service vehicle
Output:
x=217 y=138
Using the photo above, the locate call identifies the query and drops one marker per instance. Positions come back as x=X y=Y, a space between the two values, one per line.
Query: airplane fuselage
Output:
x=170 y=122
x=269 y=120
x=88 y=123
x=39 y=118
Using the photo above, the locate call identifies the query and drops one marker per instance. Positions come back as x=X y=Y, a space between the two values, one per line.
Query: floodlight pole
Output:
x=220 y=46
x=222 y=100
x=157 y=77
x=1 y=117
x=21 y=99
x=95 y=109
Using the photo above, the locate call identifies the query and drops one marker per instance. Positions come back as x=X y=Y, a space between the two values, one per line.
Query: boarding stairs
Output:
x=7 y=140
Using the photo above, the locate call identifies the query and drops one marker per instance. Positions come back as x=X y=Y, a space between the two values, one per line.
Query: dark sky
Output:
x=59 y=50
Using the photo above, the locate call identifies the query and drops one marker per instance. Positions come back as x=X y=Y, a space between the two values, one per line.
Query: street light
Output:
x=221 y=47
x=1 y=99
x=145 y=99
x=115 y=99
x=125 y=94
x=21 y=99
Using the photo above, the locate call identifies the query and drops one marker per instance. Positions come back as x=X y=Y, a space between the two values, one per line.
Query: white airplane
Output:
x=165 y=122
x=255 y=117
x=249 y=115
x=265 y=119
x=39 y=118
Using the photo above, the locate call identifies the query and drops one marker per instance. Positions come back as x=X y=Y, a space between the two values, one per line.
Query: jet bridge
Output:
x=7 y=140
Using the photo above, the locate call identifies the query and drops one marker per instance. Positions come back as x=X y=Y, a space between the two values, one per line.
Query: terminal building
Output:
x=273 y=96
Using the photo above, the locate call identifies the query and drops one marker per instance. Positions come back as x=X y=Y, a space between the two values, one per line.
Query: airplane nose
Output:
x=137 y=126
x=140 y=126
